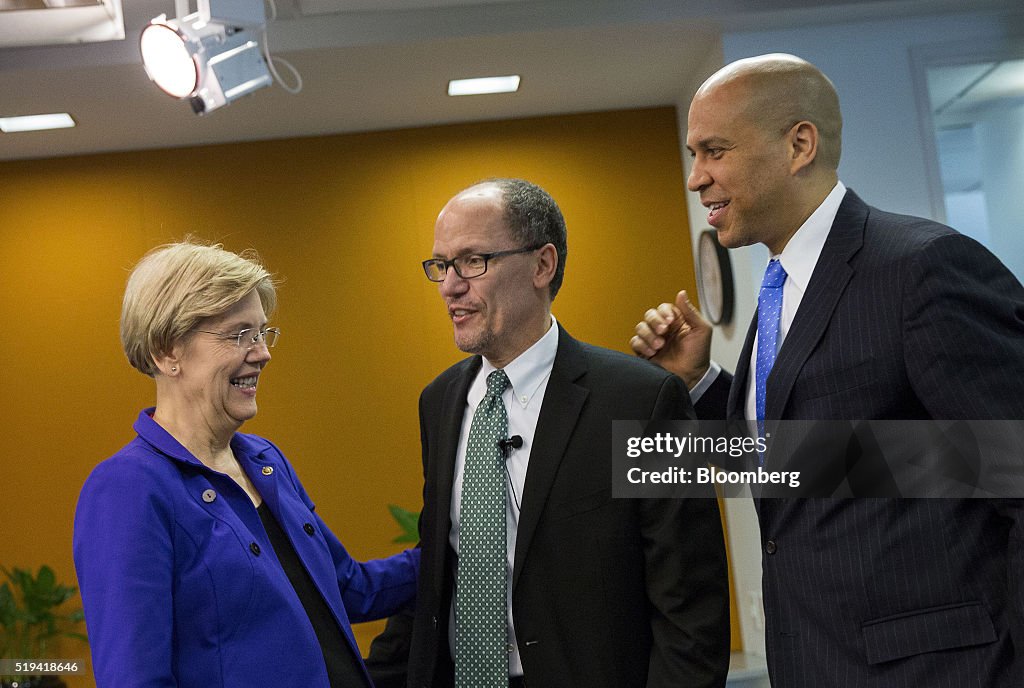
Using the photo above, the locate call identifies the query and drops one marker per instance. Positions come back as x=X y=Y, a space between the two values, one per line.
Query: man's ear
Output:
x=547 y=263
x=803 y=143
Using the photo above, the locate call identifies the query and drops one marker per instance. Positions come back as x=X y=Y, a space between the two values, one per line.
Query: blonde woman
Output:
x=200 y=557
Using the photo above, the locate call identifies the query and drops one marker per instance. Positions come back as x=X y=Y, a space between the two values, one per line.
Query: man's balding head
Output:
x=764 y=134
x=780 y=90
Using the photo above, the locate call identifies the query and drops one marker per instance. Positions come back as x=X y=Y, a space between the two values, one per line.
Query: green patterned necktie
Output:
x=481 y=629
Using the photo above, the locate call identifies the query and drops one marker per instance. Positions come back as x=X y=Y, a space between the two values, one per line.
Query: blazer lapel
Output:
x=563 y=402
x=453 y=408
x=828 y=281
x=736 y=410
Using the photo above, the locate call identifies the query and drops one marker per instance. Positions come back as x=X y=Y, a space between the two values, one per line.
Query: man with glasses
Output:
x=532 y=574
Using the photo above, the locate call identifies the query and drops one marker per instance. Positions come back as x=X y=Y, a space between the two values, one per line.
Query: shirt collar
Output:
x=803 y=249
x=525 y=373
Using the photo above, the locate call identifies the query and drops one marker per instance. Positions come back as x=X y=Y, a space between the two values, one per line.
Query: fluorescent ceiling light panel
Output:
x=487 y=84
x=61 y=120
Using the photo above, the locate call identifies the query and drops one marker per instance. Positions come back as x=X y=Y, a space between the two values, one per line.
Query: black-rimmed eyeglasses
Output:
x=248 y=338
x=468 y=266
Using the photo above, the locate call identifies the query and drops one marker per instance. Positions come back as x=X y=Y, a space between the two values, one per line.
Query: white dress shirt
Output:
x=528 y=377
x=798 y=258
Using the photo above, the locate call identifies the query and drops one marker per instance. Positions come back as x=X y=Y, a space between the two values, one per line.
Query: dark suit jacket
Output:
x=903 y=318
x=605 y=592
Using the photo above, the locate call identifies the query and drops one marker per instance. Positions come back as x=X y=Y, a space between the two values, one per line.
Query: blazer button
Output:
x=770 y=547
x=255 y=548
x=209 y=496
x=268 y=470
x=308 y=527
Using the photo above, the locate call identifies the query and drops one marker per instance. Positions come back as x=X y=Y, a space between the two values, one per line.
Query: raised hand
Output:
x=676 y=337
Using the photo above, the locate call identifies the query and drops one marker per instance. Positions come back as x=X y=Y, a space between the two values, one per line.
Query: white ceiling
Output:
x=385 y=64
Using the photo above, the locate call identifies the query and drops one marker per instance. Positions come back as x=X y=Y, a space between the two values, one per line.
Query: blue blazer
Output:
x=181 y=586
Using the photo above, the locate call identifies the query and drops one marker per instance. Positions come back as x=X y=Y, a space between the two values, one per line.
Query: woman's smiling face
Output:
x=217 y=377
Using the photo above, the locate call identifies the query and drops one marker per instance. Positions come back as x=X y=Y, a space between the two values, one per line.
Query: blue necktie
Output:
x=769 y=315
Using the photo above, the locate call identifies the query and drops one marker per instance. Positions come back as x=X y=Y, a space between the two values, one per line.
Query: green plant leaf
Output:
x=408 y=521
x=62 y=593
x=8 y=606
x=29 y=617
x=46 y=580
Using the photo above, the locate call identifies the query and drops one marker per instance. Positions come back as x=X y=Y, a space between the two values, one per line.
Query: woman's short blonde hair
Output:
x=175 y=286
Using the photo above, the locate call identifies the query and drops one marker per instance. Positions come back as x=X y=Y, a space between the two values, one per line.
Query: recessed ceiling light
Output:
x=487 y=84
x=61 y=120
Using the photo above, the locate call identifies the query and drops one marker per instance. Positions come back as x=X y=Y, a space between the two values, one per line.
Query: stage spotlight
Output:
x=210 y=57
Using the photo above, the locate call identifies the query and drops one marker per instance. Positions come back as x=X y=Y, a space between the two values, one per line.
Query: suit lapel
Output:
x=453 y=408
x=563 y=402
x=828 y=281
x=736 y=410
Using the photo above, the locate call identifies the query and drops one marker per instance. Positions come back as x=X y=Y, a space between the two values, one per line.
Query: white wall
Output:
x=884 y=161
x=883 y=144
x=1001 y=143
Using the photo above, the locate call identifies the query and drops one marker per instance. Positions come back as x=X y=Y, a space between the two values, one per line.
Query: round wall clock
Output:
x=714 y=279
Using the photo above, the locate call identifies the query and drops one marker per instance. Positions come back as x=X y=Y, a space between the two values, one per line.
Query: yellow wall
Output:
x=345 y=221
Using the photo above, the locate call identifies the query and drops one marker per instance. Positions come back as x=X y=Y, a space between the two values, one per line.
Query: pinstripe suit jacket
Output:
x=903 y=319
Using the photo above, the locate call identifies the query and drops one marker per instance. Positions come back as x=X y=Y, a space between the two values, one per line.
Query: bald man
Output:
x=862 y=315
